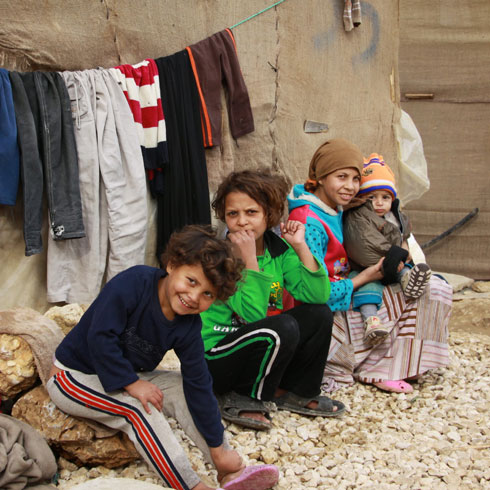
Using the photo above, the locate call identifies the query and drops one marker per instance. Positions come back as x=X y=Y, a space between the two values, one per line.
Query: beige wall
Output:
x=445 y=51
x=297 y=61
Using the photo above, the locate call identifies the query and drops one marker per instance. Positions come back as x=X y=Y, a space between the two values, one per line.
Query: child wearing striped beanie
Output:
x=378 y=229
x=377 y=176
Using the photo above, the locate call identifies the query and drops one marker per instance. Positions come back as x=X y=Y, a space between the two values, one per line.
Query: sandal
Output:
x=233 y=404
x=260 y=477
x=374 y=331
x=413 y=282
x=394 y=386
x=298 y=404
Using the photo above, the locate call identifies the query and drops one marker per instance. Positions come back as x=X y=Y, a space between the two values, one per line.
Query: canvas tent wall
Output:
x=297 y=60
x=445 y=51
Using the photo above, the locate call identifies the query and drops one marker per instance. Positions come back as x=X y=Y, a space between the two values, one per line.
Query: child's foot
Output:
x=244 y=411
x=394 y=386
x=413 y=282
x=374 y=331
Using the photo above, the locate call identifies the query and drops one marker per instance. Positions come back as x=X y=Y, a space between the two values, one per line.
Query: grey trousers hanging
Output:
x=113 y=191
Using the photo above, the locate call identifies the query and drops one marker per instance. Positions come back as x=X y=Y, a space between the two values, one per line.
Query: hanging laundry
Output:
x=113 y=191
x=352 y=14
x=185 y=199
x=141 y=87
x=9 y=149
x=47 y=154
x=214 y=60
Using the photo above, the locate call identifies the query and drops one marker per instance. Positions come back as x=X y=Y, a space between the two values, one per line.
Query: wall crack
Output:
x=272 y=119
x=109 y=17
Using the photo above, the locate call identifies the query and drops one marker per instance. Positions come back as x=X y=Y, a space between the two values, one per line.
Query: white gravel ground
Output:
x=438 y=437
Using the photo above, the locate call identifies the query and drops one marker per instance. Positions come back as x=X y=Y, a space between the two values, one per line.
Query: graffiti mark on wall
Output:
x=370 y=17
x=370 y=21
x=321 y=41
x=324 y=39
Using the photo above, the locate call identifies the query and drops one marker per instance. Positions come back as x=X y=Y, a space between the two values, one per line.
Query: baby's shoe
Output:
x=414 y=281
x=374 y=331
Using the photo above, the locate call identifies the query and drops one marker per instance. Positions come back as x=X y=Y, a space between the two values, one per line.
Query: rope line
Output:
x=255 y=15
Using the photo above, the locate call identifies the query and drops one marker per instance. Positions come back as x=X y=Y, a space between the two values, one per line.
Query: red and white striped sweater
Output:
x=141 y=86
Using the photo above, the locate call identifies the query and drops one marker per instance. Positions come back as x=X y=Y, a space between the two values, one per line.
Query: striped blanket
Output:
x=417 y=343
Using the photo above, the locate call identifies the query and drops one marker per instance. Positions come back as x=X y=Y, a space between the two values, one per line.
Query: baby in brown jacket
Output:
x=378 y=229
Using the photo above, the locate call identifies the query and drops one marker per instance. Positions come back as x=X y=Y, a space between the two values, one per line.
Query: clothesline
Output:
x=257 y=13
x=135 y=119
x=121 y=88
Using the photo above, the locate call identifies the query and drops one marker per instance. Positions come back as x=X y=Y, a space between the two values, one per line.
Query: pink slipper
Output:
x=260 y=477
x=398 y=386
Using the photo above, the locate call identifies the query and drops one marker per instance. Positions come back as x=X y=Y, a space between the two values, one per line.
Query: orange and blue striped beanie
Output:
x=376 y=175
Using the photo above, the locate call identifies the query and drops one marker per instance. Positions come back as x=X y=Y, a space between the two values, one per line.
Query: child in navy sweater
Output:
x=105 y=368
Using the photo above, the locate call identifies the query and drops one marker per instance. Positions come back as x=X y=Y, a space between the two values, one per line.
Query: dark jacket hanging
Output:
x=214 y=61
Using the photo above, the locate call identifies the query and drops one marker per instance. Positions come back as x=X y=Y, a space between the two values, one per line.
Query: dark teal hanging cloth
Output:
x=9 y=149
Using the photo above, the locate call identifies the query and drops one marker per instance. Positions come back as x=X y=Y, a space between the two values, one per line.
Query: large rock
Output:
x=74 y=439
x=471 y=315
x=471 y=309
x=481 y=287
x=170 y=361
x=66 y=316
x=457 y=281
x=41 y=334
x=17 y=367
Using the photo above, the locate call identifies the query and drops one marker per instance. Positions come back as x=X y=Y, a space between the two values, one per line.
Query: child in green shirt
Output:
x=256 y=351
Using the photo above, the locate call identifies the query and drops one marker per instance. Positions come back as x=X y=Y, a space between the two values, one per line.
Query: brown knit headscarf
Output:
x=334 y=155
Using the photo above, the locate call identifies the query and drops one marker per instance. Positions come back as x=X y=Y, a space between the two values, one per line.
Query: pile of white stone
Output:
x=436 y=437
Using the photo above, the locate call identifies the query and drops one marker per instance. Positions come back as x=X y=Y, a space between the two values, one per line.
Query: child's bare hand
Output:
x=244 y=243
x=146 y=392
x=244 y=247
x=293 y=232
x=374 y=272
x=400 y=267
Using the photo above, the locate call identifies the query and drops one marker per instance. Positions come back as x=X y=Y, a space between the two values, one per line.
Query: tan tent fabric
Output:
x=297 y=60
x=445 y=51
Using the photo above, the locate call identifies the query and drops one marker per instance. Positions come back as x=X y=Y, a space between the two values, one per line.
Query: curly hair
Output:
x=268 y=189
x=196 y=244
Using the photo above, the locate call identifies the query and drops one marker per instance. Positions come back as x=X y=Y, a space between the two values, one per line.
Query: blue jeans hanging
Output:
x=9 y=150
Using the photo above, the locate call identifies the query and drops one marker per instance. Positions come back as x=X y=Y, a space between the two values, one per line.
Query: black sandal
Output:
x=297 y=404
x=233 y=404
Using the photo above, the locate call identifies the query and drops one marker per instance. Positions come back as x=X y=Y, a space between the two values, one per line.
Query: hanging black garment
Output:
x=185 y=196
